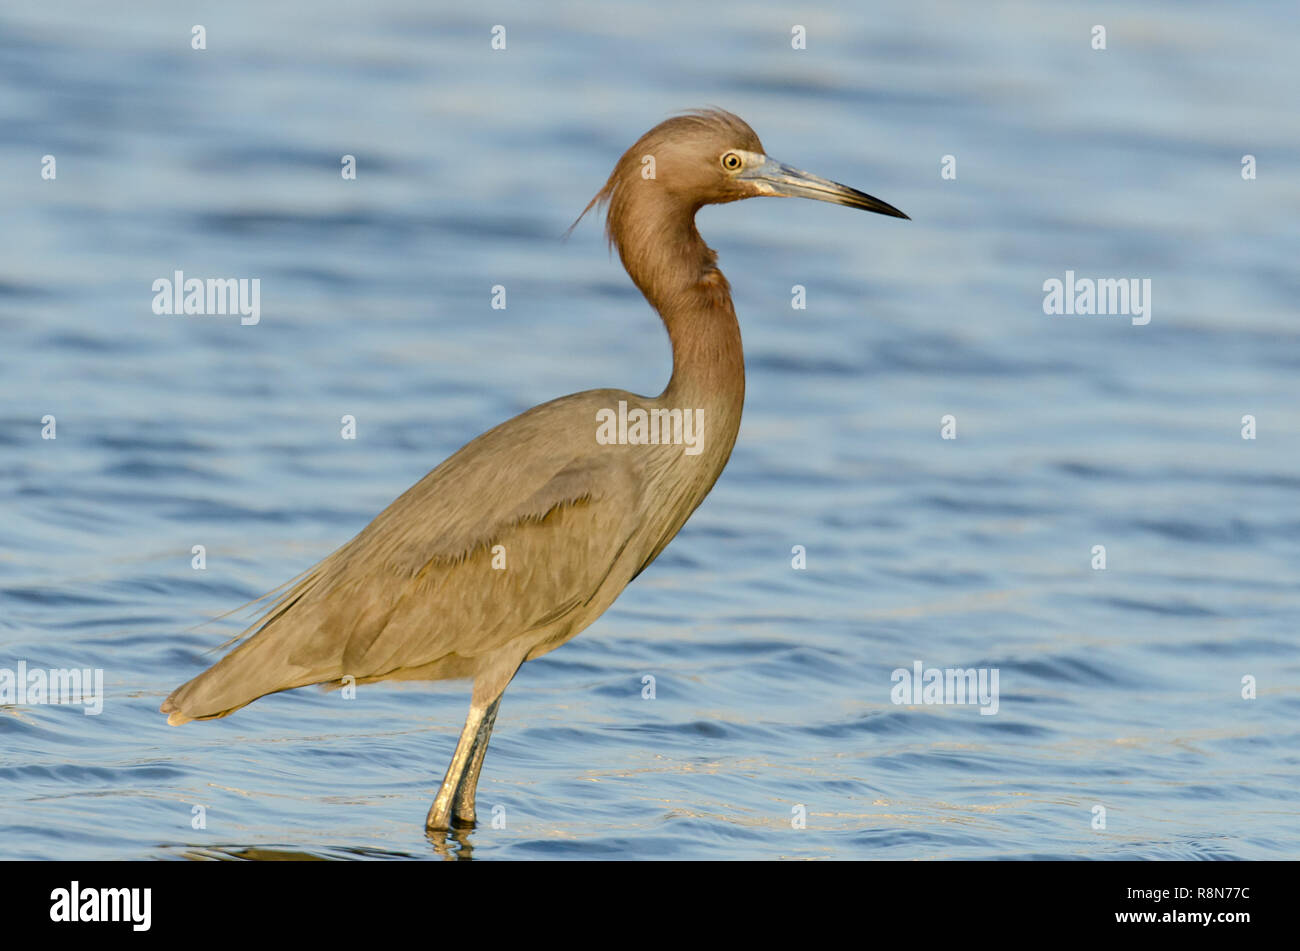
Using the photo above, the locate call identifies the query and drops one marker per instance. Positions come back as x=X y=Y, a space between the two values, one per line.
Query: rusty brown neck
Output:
x=676 y=271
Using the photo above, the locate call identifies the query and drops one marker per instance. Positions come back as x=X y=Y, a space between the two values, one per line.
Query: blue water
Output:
x=1120 y=688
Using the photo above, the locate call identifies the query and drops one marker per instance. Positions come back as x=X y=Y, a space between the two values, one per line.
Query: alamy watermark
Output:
x=57 y=685
x=1103 y=297
x=216 y=296
x=75 y=903
x=654 y=427
x=951 y=685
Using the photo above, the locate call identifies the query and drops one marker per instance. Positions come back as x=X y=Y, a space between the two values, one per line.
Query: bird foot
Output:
x=446 y=823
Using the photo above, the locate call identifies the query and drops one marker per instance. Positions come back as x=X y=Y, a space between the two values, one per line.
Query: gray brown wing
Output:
x=419 y=583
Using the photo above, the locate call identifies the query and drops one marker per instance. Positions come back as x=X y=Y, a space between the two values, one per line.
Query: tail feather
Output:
x=259 y=666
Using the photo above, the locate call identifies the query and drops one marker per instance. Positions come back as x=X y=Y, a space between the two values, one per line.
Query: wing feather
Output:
x=419 y=583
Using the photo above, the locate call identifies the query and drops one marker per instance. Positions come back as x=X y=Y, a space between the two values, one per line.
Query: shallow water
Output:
x=1120 y=688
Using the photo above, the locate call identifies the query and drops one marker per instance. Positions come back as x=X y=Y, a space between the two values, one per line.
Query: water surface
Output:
x=1120 y=688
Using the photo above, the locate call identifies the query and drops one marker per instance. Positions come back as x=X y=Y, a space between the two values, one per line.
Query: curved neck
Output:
x=676 y=271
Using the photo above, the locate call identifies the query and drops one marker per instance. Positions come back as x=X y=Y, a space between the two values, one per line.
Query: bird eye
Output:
x=732 y=161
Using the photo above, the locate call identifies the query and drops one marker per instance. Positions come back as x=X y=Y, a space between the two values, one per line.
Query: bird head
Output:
x=711 y=157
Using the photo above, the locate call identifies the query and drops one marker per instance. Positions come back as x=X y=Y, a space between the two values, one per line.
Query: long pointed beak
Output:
x=773 y=178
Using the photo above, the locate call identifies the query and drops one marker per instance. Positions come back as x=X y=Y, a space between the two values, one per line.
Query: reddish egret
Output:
x=526 y=535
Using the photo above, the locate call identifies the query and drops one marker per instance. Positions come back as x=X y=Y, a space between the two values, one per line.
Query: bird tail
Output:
x=254 y=669
x=268 y=662
x=248 y=673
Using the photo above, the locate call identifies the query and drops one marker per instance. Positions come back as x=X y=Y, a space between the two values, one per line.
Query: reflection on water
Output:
x=1120 y=688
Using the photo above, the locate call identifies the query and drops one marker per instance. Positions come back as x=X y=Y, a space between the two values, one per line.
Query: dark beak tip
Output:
x=885 y=208
x=892 y=212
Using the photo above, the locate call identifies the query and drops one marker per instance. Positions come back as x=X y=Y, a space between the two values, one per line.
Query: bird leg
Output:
x=454 y=804
x=440 y=813
x=463 y=809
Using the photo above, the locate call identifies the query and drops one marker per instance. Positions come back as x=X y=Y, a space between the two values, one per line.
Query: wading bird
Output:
x=416 y=595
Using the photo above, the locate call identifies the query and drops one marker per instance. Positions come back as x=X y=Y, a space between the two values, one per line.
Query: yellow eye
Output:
x=732 y=161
